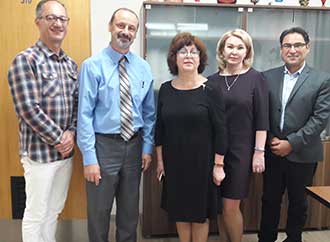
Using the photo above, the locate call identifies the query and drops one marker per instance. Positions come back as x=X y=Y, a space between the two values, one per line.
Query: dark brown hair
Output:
x=178 y=42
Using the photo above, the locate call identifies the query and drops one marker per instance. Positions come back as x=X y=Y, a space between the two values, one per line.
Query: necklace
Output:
x=232 y=84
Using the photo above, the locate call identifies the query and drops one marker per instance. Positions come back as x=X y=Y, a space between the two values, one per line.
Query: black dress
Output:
x=190 y=128
x=246 y=112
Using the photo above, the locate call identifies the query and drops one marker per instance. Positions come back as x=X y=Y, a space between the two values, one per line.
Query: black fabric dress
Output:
x=246 y=112
x=190 y=128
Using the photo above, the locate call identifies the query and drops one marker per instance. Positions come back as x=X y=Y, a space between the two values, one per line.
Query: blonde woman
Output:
x=246 y=99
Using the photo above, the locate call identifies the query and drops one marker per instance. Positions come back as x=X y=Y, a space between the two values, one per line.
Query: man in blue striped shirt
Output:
x=112 y=164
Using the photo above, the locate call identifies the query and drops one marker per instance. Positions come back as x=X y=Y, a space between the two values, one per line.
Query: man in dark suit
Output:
x=299 y=111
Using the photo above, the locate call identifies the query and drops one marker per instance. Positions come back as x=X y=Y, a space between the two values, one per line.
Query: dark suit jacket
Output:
x=306 y=113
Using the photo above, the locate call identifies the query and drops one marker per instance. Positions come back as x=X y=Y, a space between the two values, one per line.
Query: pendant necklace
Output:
x=232 y=84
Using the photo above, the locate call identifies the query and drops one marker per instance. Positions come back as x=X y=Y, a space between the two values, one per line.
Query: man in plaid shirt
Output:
x=43 y=84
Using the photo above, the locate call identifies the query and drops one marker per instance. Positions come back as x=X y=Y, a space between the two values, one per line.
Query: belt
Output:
x=118 y=136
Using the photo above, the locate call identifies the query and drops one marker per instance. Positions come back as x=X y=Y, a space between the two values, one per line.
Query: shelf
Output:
x=220 y=5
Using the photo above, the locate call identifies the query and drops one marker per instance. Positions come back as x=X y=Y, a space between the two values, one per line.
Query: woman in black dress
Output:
x=246 y=98
x=190 y=140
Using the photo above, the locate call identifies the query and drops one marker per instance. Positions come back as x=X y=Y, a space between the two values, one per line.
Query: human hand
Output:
x=146 y=161
x=218 y=174
x=160 y=170
x=280 y=147
x=66 y=144
x=92 y=173
x=258 y=162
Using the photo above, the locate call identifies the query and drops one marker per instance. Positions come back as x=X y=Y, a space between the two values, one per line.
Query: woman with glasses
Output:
x=190 y=140
x=246 y=98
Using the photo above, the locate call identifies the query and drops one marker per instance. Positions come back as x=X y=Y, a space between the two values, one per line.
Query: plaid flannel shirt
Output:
x=44 y=88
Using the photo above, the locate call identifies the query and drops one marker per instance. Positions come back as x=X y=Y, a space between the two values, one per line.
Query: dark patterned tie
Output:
x=126 y=115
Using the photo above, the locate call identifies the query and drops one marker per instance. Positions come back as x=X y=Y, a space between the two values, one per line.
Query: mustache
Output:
x=125 y=36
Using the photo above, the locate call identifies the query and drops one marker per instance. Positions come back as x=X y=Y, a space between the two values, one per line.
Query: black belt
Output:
x=118 y=136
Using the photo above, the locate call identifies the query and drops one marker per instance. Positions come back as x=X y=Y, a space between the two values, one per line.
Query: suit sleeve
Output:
x=316 y=122
x=270 y=135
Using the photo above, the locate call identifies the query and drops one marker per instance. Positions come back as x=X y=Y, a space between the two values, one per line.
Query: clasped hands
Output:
x=66 y=144
x=280 y=147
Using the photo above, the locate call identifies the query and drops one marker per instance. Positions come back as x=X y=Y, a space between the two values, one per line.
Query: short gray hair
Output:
x=42 y=3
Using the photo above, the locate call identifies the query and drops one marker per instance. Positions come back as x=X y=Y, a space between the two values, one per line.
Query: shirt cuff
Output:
x=147 y=149
x=90 y=158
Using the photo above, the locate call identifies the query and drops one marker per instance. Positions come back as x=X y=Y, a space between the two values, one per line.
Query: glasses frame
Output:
x=185 y=53
x=296 y=46
x=52 y=18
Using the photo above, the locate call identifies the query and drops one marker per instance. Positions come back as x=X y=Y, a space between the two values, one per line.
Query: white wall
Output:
x=101 y=12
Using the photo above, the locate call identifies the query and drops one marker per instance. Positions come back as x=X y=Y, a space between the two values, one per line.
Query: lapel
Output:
x=301 y=79
x=279 y=79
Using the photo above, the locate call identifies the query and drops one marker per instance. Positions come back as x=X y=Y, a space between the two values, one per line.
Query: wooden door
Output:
x=18 y=32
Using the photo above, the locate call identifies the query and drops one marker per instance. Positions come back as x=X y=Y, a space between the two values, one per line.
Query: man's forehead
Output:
x=53 y=7
x=125 y=15
x=293 y=36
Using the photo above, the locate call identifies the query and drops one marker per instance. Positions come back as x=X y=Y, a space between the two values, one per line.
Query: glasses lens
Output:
x=184 y=52
x=53 y=18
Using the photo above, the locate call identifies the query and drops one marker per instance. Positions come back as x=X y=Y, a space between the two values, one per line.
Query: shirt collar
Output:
x=49 y=53
x=297 y=73
x=116 y=56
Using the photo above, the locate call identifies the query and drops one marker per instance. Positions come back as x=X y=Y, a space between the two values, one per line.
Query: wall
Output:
x=101 y=11
x=88 y=33
x=18 y=32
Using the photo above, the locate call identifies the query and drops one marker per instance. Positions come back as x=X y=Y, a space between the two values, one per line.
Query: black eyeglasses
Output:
x=296 y=46
x=52 y=18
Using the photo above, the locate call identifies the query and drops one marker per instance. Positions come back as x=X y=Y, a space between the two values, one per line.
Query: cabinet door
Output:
x=164 y=22
x=266 y=25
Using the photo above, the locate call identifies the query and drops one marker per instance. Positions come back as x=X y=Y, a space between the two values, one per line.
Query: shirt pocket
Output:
x=73 y=77
x=50 y=84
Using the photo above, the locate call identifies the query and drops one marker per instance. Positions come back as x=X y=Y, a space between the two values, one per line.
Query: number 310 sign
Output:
x=26 y=1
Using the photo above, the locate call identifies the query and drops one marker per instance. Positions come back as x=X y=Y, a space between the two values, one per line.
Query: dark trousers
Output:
x=281 y=174
x=120 y=164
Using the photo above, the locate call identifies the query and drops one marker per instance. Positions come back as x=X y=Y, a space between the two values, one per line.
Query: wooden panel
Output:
x=18 y=32
x=155 y=219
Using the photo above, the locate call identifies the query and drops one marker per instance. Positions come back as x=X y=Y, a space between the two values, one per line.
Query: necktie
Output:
x=126 y=115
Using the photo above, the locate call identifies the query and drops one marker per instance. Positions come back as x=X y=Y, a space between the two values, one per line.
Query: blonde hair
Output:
x=247 y=40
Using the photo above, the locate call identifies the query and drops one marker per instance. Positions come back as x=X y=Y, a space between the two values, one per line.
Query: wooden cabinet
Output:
x=209 y=21
x=155 y=222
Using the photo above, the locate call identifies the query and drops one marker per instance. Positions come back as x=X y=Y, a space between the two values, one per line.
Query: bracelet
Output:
x=259 y=149
x=219 y=164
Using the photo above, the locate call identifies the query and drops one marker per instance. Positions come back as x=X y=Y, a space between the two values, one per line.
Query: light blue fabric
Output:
x=98 y=109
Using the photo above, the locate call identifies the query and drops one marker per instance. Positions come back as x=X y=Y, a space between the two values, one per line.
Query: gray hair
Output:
x=40 y=5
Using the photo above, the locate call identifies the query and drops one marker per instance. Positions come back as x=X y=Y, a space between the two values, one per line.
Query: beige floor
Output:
x=76 y=231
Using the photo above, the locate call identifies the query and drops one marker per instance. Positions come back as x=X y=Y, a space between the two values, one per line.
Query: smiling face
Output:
x=123 y=30
x=234 y=52
x=52 y=30
x=187 y=59
x=294 y=57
